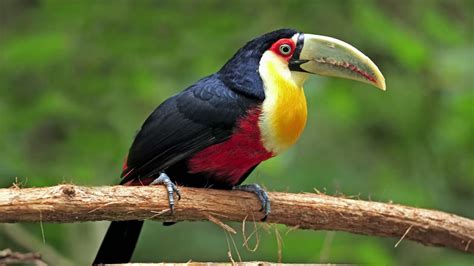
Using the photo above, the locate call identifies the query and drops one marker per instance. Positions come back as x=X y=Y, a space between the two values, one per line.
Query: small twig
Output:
x=100 y=207
x=404 y=235
x=246 y=239
x=279 y=244
x=467 y=245
x=326 y=249
x=43 y=237
x=235 y=245
x=157 y=214
x=291 y=229
x=8 y=257
x=229 y=251
x=221 y=224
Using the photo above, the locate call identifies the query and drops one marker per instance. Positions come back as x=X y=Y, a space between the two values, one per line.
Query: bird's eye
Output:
x=285 y=49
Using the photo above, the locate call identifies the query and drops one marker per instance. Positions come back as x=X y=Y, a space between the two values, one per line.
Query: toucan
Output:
x=217 y=131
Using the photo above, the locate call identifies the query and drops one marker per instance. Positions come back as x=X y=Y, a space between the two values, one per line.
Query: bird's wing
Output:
x=200 y=116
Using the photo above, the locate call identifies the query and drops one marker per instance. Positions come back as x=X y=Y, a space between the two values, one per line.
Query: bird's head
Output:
x=297 y=54
x=272 y=68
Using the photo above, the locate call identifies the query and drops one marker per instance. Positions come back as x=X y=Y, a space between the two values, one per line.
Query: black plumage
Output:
x=203 y=115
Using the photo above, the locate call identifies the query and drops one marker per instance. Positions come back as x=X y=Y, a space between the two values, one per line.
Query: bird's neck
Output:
x=284 y=112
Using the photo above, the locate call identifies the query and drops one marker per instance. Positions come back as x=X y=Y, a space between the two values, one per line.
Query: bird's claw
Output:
x=261 y=194
x=165 y=180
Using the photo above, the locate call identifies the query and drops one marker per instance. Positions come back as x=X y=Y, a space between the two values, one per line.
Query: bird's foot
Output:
x=165 y=180
x=261 y=194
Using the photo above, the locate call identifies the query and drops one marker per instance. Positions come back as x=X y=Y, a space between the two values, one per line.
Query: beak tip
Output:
x=381 y=84
x=379 y=81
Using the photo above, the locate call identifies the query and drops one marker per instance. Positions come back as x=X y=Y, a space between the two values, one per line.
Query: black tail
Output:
x=119 y=242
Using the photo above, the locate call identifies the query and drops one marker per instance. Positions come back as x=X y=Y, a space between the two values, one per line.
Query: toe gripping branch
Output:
x=261 y=194
x=165 y=180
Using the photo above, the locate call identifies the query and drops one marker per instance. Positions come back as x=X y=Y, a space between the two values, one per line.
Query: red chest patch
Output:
x=232 y=158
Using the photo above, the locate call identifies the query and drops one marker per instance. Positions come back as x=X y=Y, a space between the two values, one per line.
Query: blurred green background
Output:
x=78 y=78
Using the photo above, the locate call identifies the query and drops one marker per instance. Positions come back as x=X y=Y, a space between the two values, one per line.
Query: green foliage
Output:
x=78 y=79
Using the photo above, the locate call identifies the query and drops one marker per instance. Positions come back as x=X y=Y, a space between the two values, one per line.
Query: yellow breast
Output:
x=284 y=108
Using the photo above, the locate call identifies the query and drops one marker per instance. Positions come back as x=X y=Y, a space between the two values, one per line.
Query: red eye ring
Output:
x=284 y=48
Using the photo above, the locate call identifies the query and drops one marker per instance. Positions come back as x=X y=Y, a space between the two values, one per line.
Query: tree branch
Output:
x=68 y=203
x=8 y=257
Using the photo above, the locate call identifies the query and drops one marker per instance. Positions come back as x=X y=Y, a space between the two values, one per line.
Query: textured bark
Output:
x=8 y=257
x=68 y=203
